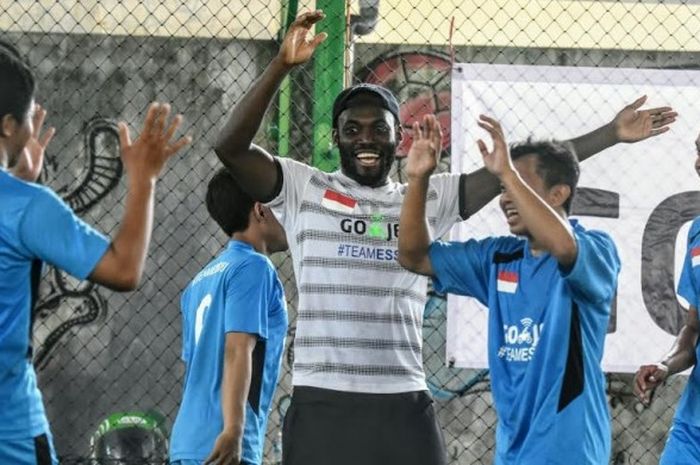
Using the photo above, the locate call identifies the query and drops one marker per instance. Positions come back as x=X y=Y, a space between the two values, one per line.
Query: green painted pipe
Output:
x=328 y=81
x=284 y=114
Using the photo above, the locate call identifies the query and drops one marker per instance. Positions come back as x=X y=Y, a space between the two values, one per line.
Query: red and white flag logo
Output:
x=507 y=282
x=338 y=202
x=695 y=255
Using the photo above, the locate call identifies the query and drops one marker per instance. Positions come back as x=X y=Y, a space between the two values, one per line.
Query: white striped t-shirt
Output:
x=359 y=315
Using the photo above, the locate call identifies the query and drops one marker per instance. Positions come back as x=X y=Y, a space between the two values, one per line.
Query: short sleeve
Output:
x=593 y=276
x=249 y=294
x=687 y=285
x=53 y=233
x=462 y=268
x=446 y=186
x=295 y=177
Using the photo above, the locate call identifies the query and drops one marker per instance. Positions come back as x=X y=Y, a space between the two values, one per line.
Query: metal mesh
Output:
x=98 y=62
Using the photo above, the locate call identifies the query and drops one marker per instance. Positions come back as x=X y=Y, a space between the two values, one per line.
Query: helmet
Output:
x=130 y=438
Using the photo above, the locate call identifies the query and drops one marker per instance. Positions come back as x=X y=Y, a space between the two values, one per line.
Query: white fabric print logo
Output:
x=520 y=340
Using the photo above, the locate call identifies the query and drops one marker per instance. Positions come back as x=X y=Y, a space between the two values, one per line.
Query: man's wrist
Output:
x=508 y=177
x=279 y=66
x=419 y=179
x=609 y=134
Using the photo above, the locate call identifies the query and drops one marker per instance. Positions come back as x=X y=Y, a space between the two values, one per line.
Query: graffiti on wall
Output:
x=64 y=302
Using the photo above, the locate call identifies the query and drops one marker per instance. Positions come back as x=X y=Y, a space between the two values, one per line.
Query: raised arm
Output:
x=414 y=237
x=252 y=166
x=121 y=267
x=629 y=125
x=546 y=227
x=680 y=358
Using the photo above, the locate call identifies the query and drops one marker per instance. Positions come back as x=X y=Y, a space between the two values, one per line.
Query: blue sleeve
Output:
x=462 y=268
x=249 y=291
x=593 y=276
x=53 y=233
x=687 y=287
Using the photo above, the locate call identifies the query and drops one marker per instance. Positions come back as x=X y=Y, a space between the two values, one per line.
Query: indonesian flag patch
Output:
x=507 y=282
x=695 y=255
x=338 y=202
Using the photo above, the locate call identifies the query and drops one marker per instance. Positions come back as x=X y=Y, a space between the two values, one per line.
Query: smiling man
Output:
x=360 y=394
x=548 y=290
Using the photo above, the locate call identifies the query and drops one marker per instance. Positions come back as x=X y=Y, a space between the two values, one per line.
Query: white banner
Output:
x=643 y=194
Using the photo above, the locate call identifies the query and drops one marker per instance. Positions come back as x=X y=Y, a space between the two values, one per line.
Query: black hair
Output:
x=227 y=204
x=17 y=84
x=556 y=163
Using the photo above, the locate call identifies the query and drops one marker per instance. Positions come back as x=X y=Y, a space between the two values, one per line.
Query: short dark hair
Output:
x=556 y=163
x=227 y=204
x=17 y=84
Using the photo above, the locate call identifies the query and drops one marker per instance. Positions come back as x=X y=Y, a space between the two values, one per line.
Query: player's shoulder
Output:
x=694 y=232
x=597 y=235
x=239 y=256
x=15 y=187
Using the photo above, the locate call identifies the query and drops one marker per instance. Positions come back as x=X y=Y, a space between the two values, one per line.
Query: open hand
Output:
x=647 y=378
x=632 y=124
x=227 y=450
x=425 y=151
x=298 y=46
x=31 y=160
x=497 y=161
x=146 y=156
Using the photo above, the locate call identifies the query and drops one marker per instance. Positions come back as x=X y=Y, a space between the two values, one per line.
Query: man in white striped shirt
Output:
x=360 y=394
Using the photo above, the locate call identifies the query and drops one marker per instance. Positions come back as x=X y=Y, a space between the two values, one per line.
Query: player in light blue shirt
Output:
x=683 y=444
x=234 y=320
x=37 y=227
x=548 y=291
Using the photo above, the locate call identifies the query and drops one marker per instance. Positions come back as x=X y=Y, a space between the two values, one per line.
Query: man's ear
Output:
x=334 y=135
x=259 y=211
x=559 y=194
x=8 y=125
x=399 y=133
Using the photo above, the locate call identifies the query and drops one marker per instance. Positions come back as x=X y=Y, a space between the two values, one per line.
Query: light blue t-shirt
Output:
x=239 y=291
x=546 y=333
x=688 y=410
x=35 y=226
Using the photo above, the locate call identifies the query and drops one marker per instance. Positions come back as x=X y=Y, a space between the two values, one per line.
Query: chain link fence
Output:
x=100 y=61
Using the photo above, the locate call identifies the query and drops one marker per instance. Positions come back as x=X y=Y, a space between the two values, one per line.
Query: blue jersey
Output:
x=688 y=410
x=239 y=291
x=546 y=333
x=35 y=226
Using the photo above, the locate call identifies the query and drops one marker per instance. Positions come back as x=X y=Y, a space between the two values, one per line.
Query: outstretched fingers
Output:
x=174 y=125
x=150 y=120
x=177 y=146
x=124 y=136
x=308 y=19
x=637 y=104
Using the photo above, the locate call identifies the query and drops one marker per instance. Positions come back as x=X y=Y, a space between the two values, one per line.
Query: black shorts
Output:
x=325 y=427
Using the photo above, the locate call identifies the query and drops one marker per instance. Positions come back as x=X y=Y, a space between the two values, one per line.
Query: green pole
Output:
x=289 y=12
x=328 y=81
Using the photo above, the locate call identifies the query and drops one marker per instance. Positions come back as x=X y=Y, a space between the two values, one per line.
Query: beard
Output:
x=348 y=163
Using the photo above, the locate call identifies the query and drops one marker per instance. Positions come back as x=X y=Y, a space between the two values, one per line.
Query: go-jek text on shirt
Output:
x=546 y=333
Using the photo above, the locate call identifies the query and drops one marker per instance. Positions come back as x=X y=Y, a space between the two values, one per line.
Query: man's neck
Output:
x=4 y=159
x=253 y=239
